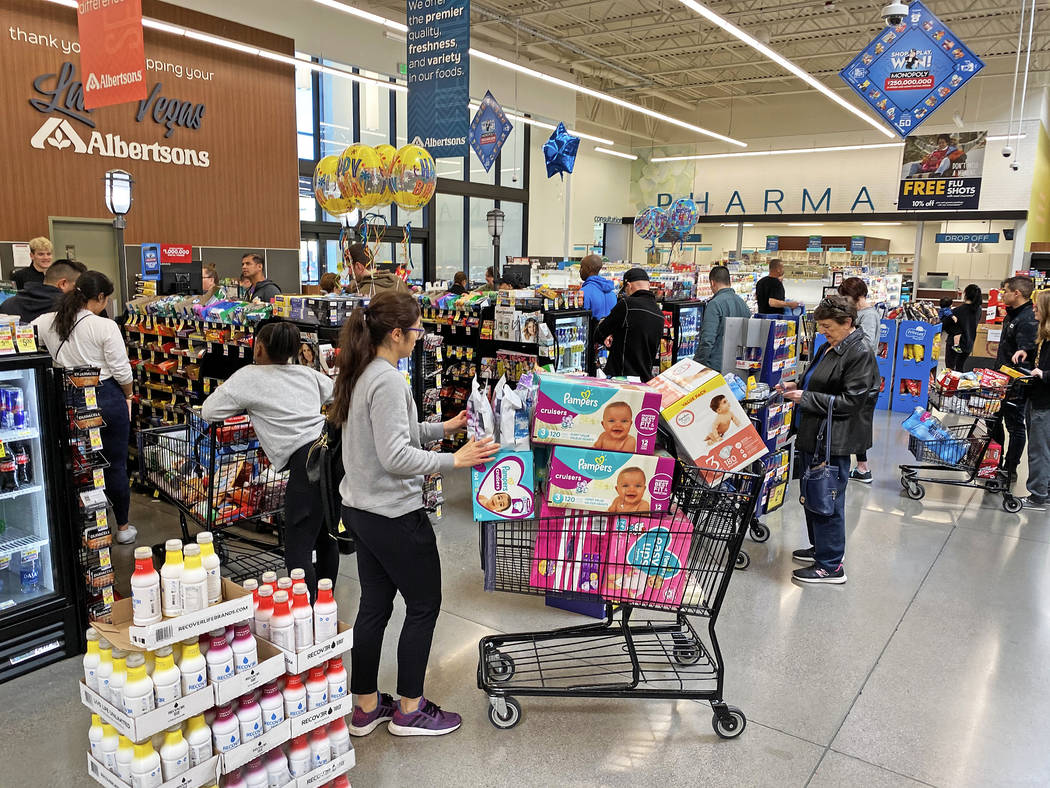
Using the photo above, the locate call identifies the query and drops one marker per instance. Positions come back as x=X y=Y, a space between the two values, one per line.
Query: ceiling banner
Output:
x=112 y=55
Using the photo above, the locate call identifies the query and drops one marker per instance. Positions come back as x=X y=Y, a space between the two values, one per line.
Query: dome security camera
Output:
x=1015 y=166
x=1007 y=151
x=894 y=13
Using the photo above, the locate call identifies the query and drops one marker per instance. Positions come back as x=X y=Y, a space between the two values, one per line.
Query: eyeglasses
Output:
x=420 y=331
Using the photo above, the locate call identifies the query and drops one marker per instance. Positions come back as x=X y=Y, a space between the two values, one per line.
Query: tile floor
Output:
x=923 y=669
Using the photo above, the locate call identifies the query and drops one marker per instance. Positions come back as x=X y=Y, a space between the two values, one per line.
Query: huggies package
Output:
x=504 y=488
x=647 y=559
x=607 y=481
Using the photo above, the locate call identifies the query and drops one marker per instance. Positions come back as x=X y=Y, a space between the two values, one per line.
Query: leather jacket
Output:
x=847 y=371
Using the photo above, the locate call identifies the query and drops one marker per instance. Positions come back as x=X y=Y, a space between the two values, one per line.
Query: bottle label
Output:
x=326 y=626
x=136 y=706
x=295 y=706
x=273 y=717
x=175 y=766
x=150 y=779
x=168 y=693
x=145 y=604
x=227 y=741
x=91 y=678
x=340 y=746
x=109 y=759
x=221 y=671
x=299 y=766
x=193 y=681
x=283 y=637
x=251 y=730
x=304 y=633
x=321 y=758
x=199 y=753
x=214 y=586
x=172 y=596
x=194 y=597
x=336 y=690
x=315 y=699
x=262 y=628
x=245 y=662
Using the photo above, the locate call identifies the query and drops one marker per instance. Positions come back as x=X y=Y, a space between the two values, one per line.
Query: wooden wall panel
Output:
x=248 y=194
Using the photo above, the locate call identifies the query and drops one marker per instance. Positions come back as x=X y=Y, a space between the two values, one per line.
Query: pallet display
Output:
x=915 y=361
x=885 y=356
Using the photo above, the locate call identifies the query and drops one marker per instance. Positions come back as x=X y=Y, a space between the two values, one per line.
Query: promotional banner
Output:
x=772 y=243
x=439 y=75
x=176 y=253
x=942 y=171
x=909 y=70
x=489 y=130
x=856 y=243
x=112 y=55
x=150 y=262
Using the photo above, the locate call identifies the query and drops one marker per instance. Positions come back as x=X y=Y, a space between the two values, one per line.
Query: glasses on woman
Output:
x=419 y=331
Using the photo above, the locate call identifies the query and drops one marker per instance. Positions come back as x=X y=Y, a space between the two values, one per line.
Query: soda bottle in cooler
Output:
x=8 y=471
x=23 y=466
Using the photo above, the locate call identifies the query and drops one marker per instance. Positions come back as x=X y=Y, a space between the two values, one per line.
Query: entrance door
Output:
x=94 y=243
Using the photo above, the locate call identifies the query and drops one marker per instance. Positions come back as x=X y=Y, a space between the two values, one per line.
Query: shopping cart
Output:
x=676 y=563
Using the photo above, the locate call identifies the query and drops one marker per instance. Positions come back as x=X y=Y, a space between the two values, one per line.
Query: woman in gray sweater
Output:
x=856 y=290
x=382 y=496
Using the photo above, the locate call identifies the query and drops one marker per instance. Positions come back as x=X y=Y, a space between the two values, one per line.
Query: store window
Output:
x=510 y=242
x=449 y=228
x=304 y=112
x=479 y=242
x=401 y=118
x=337 y=122
x=512 y=160
x=309 y=270
x=307 y=202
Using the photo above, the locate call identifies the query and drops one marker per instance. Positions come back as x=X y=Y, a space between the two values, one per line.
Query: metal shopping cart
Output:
x=676 y=563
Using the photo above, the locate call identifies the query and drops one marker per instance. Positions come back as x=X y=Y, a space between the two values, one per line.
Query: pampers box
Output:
x=598 y=414
x=504 y=488
x=648 y=558
x=608 y=481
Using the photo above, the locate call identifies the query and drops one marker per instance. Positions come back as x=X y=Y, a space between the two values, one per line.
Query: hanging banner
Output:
x=772 y=243
x=489 y=130
x=909 y=70
x=856 y=243
x=942 y=171
x=112 y=56
x=439 y=75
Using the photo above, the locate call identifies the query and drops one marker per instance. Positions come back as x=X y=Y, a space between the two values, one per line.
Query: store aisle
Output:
x=925 y=668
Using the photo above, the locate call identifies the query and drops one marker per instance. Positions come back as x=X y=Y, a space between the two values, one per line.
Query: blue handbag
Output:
x=819 y=486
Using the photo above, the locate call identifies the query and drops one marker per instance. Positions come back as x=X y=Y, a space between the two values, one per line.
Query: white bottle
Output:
x=294 y=696
x=339 y=738
x=300 y=758
x=282 y=625
x=320 y=749
x=118 y=679
x=277 y=774
x=175 y=754
x=219 y=658
x=225 y=730
x=264 y=612
x=316 y=688
x=194 y=668
x=198 y=738
x=95 y=734
x=138 y=689
x=105 y=667
x=107 y=748
x=210 y=562
x=326 y=613
x=269 y=578
x=255 y=774
x=336 y=675
x=235 y=780
x=125 y=757
x=249 y=718
x=194 y=584
x=167 y=678
x=302 y=617
x=272 y=705
x=253 y=586
x=145 y=768
x=284 y=584
x=91 y=660
x=298 y=576
x=245 y=652
x=145 y=589
x=170 y=579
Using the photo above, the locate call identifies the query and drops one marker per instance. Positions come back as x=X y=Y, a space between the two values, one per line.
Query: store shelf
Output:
x=6 y=496
x=28 y=433
x=22 y=543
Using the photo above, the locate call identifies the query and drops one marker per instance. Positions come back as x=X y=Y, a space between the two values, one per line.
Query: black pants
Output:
x=394 y=554
x=114 y=436
x=1013 y=419
x=304 y=531
x=952 y=360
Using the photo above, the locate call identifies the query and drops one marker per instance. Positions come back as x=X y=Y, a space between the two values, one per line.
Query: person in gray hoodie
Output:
x=724 y=303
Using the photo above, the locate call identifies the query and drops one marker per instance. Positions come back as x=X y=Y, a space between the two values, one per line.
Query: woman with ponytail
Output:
x=78 y=336
x=382 y=496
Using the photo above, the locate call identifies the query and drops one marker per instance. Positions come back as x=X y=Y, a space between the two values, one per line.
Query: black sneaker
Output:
x=860 y=476
x=1033 y=503
x=804 y=556
x=818 y=574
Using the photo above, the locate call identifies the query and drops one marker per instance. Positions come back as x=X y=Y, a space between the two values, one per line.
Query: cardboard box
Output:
x=505 y=488
x=609 y=481
x=569 y=551
x=647 y=558
x=270 y=667
x=256 y=748
x=236 y=608
x=315 y=718
x=138 y=729
x=329 y=771
x=206 y=773
x=302 y=661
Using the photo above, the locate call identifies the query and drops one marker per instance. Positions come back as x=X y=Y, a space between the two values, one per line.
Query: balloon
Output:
x=682 y=216
x=560 y=152
x=360 y=176
x=387 y=154
x=413 y=178
x=326 y=187
x=651 y=223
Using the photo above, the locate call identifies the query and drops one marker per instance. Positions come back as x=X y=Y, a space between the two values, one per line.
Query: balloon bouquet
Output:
x=679 y=218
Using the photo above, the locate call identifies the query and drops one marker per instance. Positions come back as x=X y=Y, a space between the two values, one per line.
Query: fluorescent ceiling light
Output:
x=473 y=107
x=881 y=224
x=791 y=151
x=600 y=149
x=784 y=63
x=993 y=138
x=164 y=27
x=736 y=224
x=379 y=20
x=804 y=224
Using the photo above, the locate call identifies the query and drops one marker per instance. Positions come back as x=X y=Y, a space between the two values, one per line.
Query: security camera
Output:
x=894 y=13
x=1015 y=166
x=1007 y=151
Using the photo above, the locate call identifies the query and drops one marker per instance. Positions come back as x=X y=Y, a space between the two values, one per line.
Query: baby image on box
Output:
x=725 y=421
x=503 y=488
x=631 y=489
x=617 y=420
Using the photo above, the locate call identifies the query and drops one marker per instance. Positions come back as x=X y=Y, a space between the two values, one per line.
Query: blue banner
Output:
x=816 y=242
x=489 y=130
x=909 y=70
x=856 y=243
x=150 y=262
x=772 y=243
x=967 y=238
x=439 y=75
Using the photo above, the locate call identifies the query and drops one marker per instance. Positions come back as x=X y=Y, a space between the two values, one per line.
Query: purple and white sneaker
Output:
x=427 y=720
x=363 y=723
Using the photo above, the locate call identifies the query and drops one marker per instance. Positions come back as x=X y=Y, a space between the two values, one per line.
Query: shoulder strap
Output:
x=825 y=431
x=71 y=330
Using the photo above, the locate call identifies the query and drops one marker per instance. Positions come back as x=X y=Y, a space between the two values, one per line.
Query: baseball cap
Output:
x=635 y=275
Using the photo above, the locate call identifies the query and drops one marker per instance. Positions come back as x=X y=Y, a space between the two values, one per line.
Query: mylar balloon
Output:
x=413 y=178
x=559 y=152
x=387 y=154
x=326 y=187
x=361 y=176
x=651 y=223
x=682 y=216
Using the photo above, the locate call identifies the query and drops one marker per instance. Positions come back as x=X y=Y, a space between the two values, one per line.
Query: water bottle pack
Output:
x=927 y=428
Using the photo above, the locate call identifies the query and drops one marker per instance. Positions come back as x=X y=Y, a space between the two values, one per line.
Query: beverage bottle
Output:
x=253 y=586
x=316 y=688
x=300 y=758
x=95 y=734
x=204 y=641
x=138 y=689
x=303 y=617
x=108 y=746
x=105 y=667
x=8 y=473
x=342 y=781
x=264 y=613
x=91 y=660
x=118 y=678
x=269 y=579
x=225 y=730
x=151 y=661
x=194 y=669
x=339 y=737
x=193 y=586
x=326 y=614
x=249 y=718
x=298 y=576
x=167 y=678
x=210 y=561
x=277 y=774
x=255 y=774
x=282 y=625
x=29 y=574
x=230 y=632
x=145 y=768
x=170 y=577
x=23 y=465
x=272 y=705
x=219 y=657
x=145 y=589
x=175 y=754
x=320 y=749
x=125 y=757
x=336 y=675
x=245 y=652
x=235 y=779
x=294 y=696
x=284 y=584
x=198 y=737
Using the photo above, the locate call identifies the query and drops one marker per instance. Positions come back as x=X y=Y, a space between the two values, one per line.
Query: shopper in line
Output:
x=78 y=336
x=1038 y=408
x=844 y=368
x=212 y=290
x=40 y=253
x=598 y=295
x=284 y=402
x=769 y=291
x=459 y=284
x=1018 y=333
x=367 y=279
x=490 y=279
x=633 y=330
x=722 y=304
x=856 y=290
x=259 y=287
x=40 y=298
x=960 y=329
x=330 y=284
x=382 y=495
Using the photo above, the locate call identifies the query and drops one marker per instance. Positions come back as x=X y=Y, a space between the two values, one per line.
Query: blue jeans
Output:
x=115 y=446
x=828 y=534
x=1039 y=453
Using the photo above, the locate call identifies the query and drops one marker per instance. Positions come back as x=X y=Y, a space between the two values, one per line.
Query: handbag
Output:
x=324 y=469
x=819 y=486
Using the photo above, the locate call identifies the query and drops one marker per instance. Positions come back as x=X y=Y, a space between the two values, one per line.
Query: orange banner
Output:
x=112 y=57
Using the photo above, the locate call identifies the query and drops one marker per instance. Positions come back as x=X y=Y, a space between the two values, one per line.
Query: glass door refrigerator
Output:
x=40 y=619
x=685 y=327
x=570 y=334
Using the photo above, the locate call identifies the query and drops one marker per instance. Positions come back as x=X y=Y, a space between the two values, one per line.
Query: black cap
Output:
x=635 y=275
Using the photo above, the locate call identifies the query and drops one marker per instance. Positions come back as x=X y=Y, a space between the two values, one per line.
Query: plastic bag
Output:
x=499 y=392
x=481 y=420
x=526 y=394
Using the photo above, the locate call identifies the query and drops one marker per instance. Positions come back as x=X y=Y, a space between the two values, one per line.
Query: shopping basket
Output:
x=677 y=562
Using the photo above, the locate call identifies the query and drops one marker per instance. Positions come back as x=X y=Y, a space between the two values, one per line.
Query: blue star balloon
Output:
x=560 y=152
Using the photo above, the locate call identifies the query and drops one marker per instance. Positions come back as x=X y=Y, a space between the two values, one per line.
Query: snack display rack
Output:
x=916 y=361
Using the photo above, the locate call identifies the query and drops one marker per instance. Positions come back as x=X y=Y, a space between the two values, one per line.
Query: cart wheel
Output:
x=500 y=667
x=743 y=560
x=510 y=719
x=904 y=481
x=759 y=531
x=685 y=651
x=730 y=723
x=1012 y=505
x=916 y=491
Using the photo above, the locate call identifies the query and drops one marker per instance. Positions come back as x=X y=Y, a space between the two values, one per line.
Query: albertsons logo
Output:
x=59 y=134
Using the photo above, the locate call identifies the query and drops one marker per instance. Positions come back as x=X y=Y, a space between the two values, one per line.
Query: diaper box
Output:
x=504 y=488
x=608 y=481
x=598 y=414
x=647 y=558
x=569 y=551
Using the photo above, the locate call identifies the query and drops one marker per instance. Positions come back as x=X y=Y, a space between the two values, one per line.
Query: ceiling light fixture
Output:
x=881 y=224
x=736 y=224
x=804 y=224
x=473 y=106
x=617 y=153
x=791 y=151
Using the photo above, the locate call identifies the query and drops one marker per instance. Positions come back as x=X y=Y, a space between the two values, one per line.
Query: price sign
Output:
x=90 y=398
x=104 y=559
x=25 y=339
x=95 y=438
x=30 y=555
x=99 y=478
x=7 y=341
x=102 y=519
x=107 y=595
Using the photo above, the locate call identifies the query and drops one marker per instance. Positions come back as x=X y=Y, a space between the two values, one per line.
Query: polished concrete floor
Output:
x=927 y=667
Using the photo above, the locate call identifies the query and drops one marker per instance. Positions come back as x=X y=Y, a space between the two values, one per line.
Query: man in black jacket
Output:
x=260 y=288
x=39 y=298
x=1018 y=333
x=633 y=330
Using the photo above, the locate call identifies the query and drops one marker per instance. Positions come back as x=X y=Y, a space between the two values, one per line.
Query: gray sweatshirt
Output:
x=868 y=320
x=382 y=453
x=284 y=402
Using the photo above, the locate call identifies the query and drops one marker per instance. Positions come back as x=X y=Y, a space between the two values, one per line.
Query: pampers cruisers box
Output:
x=504 y=488
x=597 y=414
x=608 y=481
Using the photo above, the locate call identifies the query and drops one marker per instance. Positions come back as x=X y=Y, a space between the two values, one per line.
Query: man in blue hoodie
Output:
x=724 y=303
x=598 y=295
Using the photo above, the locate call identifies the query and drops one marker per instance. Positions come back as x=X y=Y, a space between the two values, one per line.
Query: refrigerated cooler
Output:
x=683 y=325
x=40 y=619
x=570 y=331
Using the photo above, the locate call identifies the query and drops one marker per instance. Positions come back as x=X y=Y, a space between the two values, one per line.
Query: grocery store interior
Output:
x=648 y=150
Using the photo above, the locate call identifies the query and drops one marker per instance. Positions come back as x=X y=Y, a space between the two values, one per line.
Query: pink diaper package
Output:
x=609 y=481
x=647 y=558
x=569 y=551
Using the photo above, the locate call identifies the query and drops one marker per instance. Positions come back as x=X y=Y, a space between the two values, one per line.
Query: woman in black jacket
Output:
x=843 y=369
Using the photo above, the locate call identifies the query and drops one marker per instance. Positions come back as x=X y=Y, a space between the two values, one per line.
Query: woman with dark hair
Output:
x=960 y=329
x=382 y=494
x=839 y=379
x=284 y=402
x=78 y=336
x=856 y=290
x=459 y=284
x=330 y=284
